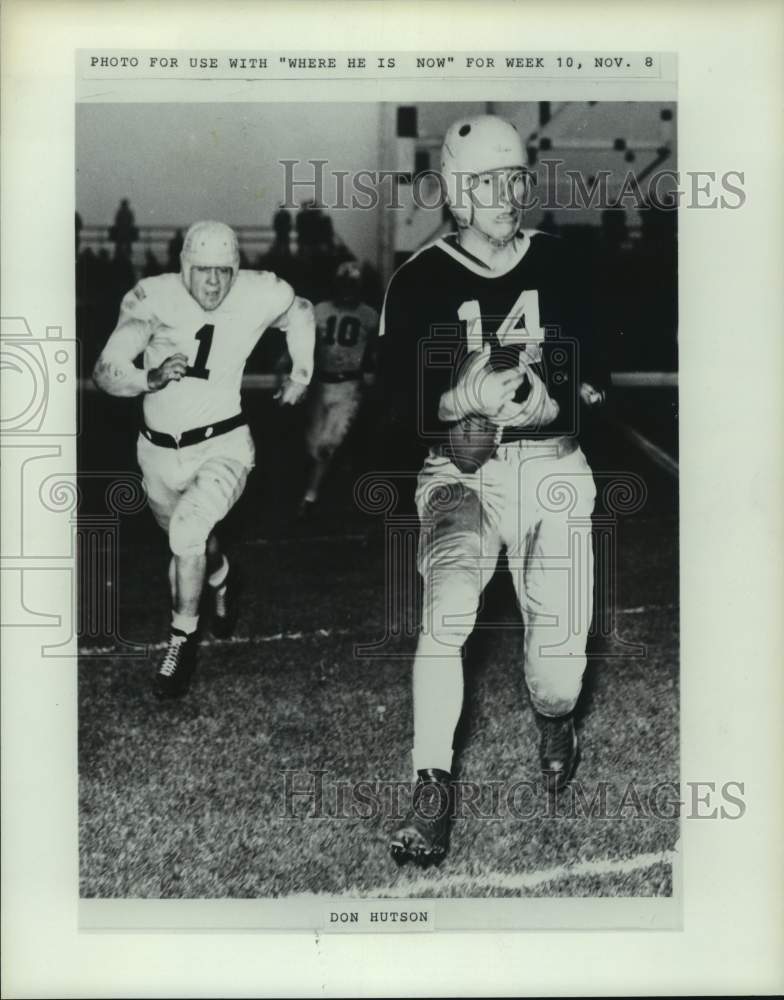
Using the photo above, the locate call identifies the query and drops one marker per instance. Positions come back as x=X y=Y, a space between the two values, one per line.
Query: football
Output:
x=472 y=442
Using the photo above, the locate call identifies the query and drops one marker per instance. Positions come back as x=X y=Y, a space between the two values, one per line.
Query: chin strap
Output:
x=496 y=244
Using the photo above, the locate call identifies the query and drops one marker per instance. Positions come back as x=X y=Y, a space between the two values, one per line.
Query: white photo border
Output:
x=729 y=86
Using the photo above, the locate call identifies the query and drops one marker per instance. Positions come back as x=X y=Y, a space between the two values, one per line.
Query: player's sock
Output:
x=217 y=578
x=438 y=702
x=185 y=623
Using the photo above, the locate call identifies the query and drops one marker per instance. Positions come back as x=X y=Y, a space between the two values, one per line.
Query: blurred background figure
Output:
x=317 y=252
x=282 y=225
x=278 y=258
x=346 y=335
x=174 y=251
x=324 y=232
x=307 y=227
x=78 y=231
x=124 y=232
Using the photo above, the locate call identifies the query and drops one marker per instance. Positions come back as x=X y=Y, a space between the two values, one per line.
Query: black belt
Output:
x=339 y=376
x=195 y=436
x=561 y=445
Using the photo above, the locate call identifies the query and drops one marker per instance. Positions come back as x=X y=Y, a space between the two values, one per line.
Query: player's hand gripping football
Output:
x=473 y=407
x=172 y=370
x=483 y=391
x=538 y=409
x=290 y=392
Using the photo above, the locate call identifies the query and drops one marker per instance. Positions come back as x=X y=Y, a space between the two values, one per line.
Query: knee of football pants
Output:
x=188 y=533
x=450 y=607
x=555 y=686
x=207 y=501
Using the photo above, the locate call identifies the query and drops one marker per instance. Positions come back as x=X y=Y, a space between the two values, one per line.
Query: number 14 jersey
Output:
x=216 y=343
x=443 y=304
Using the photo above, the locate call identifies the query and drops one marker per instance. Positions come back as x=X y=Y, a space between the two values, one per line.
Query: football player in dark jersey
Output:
x=487 y=354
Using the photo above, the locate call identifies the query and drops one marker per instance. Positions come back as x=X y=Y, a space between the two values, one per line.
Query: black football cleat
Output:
x=423 y=837
x=177 y=665
x=558 y=751
x=224 y=605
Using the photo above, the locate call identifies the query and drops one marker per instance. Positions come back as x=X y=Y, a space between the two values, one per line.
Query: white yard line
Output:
x=235 y=640
x=511 y=882
x=319 y=633
x=643 y=608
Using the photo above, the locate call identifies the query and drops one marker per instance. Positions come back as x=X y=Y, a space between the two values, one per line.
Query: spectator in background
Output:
x=175 y=249
x=307 y=228
x=316 y=250
x=282 y=225
x=279 y=259
x=324 y=232
x=124 y=232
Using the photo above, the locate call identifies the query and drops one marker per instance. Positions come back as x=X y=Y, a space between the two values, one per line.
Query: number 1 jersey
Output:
x=216 y=343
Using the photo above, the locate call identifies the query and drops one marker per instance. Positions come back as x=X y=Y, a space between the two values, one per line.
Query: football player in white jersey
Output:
x=346 y=332
x=195 y=331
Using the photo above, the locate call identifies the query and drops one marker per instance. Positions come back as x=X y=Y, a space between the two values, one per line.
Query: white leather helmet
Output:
x=209 y=244
x=473 y=146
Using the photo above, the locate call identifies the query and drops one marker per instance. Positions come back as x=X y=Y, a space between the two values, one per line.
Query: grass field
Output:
x=190 y=799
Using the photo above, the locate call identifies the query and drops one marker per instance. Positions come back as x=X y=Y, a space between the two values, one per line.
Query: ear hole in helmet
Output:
x=464 y=130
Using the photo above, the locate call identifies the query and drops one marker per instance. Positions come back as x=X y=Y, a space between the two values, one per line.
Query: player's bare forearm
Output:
x=299 y=325
x=115 y=371
x=119 y=378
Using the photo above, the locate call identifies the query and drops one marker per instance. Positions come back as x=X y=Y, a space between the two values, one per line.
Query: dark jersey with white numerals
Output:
x=444 y=303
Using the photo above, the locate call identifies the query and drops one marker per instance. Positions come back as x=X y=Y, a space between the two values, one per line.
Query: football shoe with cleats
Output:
x=177 y=665
x=558 y=751
x=423 y=836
